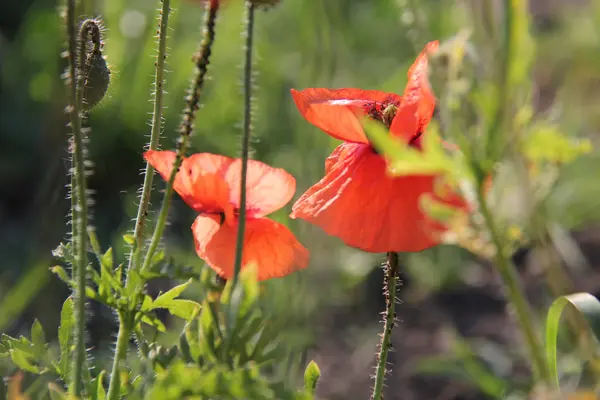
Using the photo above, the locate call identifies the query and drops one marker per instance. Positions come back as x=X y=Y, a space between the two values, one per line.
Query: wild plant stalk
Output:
x=239 y=245
x=125 y=319
x=202 y=59
x=142 y=213
x=78 y=191
x=514 y=30
x=516 y=294
x=390 y=287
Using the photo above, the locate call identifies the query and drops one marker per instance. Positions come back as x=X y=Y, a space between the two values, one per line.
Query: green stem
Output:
x=78 y=188
x=114 y=386
x=390 y=282
x=239 y=245
x=515 y=292
x=202 y=59
x=142 y=213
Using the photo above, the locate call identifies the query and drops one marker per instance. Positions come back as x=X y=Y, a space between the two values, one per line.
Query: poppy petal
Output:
x=268 y=244
x=200 y=181
x=418 y=101
x=336 y=111
x=359 y=203
x=267 y=188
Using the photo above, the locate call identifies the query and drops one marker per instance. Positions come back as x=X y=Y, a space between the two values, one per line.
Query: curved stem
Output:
x=142 y=213
x=78 y=189
x=114 y=386
x=239 y=245
x=390 y=286
x=516 y=294
x=202 y=59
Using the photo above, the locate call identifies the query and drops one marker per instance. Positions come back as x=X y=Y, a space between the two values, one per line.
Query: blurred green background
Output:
x=335 y=304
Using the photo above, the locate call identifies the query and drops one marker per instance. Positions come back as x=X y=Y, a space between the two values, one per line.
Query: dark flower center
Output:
x=383 y=112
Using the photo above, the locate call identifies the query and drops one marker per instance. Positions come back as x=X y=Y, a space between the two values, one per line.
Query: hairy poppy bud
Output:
x=97 y=78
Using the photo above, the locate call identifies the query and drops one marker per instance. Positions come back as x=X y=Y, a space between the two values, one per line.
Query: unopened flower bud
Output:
x=97 y=78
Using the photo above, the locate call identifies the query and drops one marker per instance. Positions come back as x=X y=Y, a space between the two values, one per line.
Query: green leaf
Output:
x=165 y=299
x=186 y=309
x=65 y=335
x=312 y=373
x=406 y=160
x=100 y=392
x=38 y=339
x=107 y=259
x=64 y=252
x=62 y=274
x=129 y=239
x=587 y=305
x=23 y=361
x=153 y=320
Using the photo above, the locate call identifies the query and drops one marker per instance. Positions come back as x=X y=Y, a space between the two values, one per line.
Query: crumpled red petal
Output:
x=418 y=101
x=359 y=203
x=267 y=188
x=200 y=181
x=268 y=244
x=337 y=111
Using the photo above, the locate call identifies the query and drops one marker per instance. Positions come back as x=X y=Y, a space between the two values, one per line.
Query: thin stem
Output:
x=78 y=188
x=138 y=233
x=202 y=59
x=516 y=294
x=390 y=286
x=114 y=386
x=239 y=245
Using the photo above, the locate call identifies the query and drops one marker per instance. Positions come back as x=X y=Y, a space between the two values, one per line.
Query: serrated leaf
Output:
x=164 y=300
x=64 y=252
x=38 y=339
x=152 y=320
x=107 y=259
x=65 y=335
x=62 y=274
x=92 y=294
x=312 y=373
x=186 y=309
x=23 y=361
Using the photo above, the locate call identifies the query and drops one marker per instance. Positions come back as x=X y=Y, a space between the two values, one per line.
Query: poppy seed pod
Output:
x=97 y=78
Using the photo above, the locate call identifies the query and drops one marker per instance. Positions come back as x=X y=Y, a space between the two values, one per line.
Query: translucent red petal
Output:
x=268 y=188
x=337 y=111
x=272 y=247
x=200 y=181
x=418 y=101
x=359 y=203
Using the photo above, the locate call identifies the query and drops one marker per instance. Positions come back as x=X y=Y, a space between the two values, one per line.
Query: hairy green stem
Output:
x=142 y=213
x=390 y=286
x=202 y=59
x=239 y=245
x=114 y=386
x=515 y=292
x=78 y=190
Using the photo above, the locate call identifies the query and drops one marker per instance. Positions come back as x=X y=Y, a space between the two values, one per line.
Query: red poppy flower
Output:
x=357 y=200
x=210 y=184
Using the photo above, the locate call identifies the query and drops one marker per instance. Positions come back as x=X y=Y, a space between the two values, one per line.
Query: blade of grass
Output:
x=589 y=308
